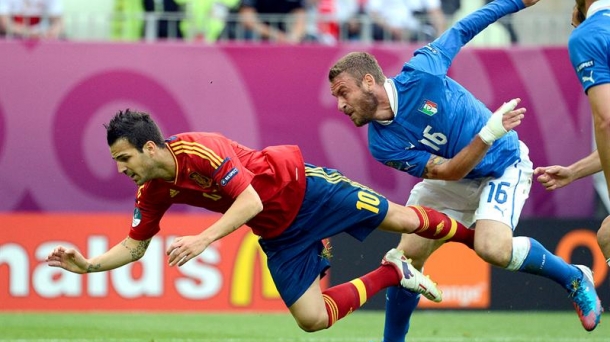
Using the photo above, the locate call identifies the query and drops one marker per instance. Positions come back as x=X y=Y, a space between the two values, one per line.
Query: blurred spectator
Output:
x=205 y=19
x=169 y=16
x=449 y=7
x=127 y=23
x=406 y=20
x=267 y=20
x=31 y=18
x=431 y=19
x=339 y=20
x=507 y=23
x=392 y=19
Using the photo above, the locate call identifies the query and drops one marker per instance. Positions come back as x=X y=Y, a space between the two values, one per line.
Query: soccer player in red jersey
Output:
x=290 y=204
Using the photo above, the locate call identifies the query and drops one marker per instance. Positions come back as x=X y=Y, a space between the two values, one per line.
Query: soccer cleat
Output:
x=412 y=279
x=585 y=299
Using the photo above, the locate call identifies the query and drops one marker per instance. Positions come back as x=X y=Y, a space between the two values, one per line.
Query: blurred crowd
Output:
x=277 y=21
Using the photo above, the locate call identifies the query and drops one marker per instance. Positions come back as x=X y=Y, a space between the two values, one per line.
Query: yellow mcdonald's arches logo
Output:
x=244 y=270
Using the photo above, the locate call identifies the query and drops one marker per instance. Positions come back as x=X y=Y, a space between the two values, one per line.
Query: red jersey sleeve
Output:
x=151 y=205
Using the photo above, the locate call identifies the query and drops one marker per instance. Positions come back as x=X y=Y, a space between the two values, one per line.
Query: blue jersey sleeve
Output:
x=436 y=57
x=589 y=48
x=412 y=161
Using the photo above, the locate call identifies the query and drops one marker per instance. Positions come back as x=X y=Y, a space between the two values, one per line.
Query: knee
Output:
x=312 y=324
x=417 y=249
x=603 y=235
x=497 y=253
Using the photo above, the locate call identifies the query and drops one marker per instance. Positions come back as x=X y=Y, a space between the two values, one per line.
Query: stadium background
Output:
x=59 y=185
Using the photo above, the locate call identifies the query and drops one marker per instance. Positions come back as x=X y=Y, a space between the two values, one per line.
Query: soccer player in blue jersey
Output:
x=474 y=167
x=589 y=48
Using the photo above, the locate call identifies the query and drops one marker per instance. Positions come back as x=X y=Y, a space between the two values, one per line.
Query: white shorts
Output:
x=469 y=200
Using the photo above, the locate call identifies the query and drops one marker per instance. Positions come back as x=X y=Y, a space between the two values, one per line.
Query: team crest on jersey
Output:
x=203 y=181
x=137 y=217
x=428 y=107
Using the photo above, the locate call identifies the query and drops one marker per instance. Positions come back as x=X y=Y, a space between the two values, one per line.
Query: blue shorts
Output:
x=333 y=204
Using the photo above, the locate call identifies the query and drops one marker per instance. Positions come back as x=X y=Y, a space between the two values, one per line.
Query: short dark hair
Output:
x=357 y=64
x=137 y=127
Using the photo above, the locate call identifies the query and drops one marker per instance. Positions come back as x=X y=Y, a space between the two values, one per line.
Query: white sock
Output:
x=521 y=248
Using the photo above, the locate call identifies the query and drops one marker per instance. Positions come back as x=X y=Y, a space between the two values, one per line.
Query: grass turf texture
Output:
x=364 y=326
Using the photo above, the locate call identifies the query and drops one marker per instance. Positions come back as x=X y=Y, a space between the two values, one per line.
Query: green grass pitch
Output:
x=363 y=326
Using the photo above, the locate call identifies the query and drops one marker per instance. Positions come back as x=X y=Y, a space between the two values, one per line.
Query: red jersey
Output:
x=212 y=170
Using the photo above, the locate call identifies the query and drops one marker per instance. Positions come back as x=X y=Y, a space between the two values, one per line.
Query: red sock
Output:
x=438 y=226
x=341 y=300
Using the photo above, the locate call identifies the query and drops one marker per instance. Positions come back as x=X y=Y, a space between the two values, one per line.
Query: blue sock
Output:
x=399 y=305
x=541 y=262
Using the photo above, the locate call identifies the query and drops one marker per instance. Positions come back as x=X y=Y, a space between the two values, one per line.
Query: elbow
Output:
x=138 y=255
x=603 y=122
x=448 y=175
x=258 y=208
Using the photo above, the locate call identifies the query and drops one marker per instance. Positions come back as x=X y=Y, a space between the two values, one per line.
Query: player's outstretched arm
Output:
x=465 y=29
x=70 y=259
x=557 y=176
x=246 y=205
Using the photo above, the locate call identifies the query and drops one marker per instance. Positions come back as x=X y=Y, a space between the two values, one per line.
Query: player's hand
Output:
x=185 y=248
x=502 y=121
x=69 y=259
x=529 y=3
x=554 y=177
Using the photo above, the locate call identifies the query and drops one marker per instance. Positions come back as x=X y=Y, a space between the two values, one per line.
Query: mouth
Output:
x=132 y=176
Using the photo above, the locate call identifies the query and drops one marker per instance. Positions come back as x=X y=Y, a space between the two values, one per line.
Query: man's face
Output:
x=136 y=165
x=354 y=99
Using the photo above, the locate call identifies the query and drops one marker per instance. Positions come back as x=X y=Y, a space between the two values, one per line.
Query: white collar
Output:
x=598 y=6
x=390 y=89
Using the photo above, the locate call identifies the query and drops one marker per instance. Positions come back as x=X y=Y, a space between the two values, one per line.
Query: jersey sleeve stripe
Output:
x=197 y=149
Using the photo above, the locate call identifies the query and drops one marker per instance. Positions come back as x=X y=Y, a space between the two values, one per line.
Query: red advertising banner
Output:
x=230 y=275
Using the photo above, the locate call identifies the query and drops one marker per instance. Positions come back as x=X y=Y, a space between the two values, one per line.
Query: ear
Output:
x=150 y=147
x=368 y=81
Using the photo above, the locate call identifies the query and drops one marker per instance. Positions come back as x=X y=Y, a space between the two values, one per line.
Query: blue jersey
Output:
x=436 y=115
x=589 y=46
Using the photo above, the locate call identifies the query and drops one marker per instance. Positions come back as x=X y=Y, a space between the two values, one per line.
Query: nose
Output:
x=121 y=167
x=341 y=105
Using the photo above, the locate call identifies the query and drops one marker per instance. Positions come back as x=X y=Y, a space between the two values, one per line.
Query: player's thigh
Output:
x=503 y=198
x=309 y=310
x=418 y=248
x=456 y=199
